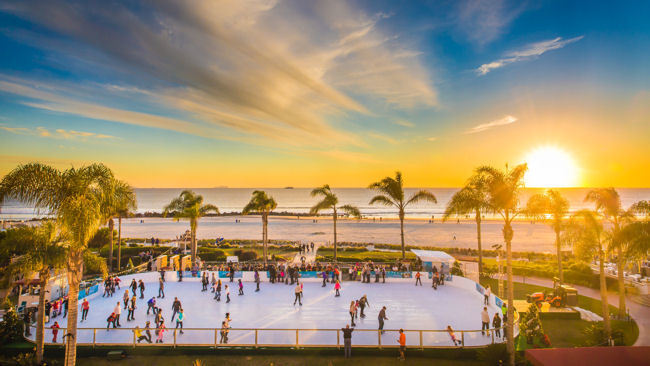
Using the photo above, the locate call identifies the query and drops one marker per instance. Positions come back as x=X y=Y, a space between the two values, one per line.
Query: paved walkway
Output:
x=310 y=256
x=640 y=313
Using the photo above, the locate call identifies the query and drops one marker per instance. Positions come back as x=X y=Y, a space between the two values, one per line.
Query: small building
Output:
x=434 y=258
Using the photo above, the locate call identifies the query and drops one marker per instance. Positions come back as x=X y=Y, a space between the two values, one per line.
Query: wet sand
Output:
x=536 y=237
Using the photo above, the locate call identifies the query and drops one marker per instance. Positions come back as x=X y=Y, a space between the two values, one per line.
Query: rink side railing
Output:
x=285 y=338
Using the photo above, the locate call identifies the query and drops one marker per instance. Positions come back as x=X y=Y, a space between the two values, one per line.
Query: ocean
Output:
x=299 y=200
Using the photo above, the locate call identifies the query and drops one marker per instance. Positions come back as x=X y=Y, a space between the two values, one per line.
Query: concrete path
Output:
x=310 y=257
x=640 y=313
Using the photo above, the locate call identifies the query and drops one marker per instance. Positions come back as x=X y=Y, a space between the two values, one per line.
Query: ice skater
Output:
x=129 y=316
x=85 y=306
x=257 y=280
x=134 y=286
x=126 y=298
x=161 y=331
x=450 y=331
x=55 y=331
x=161 y=288
x=402 y=345
x=382 y=316
x=418 y=279
x=176 y=307
x=179 y=320
x=298 y=293
x=110 y=320
x=337 y=287
x=324 y=274
x=117 y=311
x=363 y=302
x=485 y=321
x=353 y=310
x=213 y=281
x=141 y=285
x=227 y=294
x=496 y=324
x=224 y=332
x=486 y=296
x=217 y=293
x=241 y=287
x=151 y=305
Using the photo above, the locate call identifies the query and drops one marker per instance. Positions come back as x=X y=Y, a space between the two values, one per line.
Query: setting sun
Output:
x=550 y=166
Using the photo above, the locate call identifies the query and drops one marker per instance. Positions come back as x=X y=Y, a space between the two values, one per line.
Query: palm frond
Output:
x=384 y=200
x=351 y=210
x=420 y=196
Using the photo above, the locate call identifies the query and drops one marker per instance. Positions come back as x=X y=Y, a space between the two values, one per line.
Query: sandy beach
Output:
x=536 y=237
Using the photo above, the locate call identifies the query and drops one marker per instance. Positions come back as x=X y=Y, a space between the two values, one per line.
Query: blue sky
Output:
x=198 y=93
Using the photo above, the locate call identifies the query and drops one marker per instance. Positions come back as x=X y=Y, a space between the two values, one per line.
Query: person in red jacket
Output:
x=55 y=331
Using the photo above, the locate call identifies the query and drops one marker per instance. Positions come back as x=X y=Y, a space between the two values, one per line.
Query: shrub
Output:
x=102 y=238
x=246 y=255
x=596 y=335
x=493 y=354
x=11 y=328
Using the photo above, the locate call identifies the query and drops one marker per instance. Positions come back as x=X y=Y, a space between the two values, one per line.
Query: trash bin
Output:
x=570 y=295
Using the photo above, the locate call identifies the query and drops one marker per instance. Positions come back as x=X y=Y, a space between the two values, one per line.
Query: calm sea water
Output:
x=298 y=200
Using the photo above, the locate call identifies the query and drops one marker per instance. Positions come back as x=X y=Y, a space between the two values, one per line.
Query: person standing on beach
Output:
x=257 y=280
x=417 y=278
x=161 y=288
x=485 y=321
x=347 y=340
x=402 y=345
x=298 y=292
x=176 y=307
x=382 y=316
x=353 y=310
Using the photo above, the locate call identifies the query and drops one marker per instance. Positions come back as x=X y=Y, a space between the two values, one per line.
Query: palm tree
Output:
x=189 y=205
x=471 y=199
x=503 y=188
x=74 y=196
x=263 y=204
x=641 y=208
x=329 y=201
x=120 y=199
x=392 y=194
x=588 y=233
x=608 y=203
x=550 y=203
x=44 y=251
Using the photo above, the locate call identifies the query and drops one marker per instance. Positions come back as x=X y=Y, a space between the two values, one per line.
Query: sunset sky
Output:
x=264 y=93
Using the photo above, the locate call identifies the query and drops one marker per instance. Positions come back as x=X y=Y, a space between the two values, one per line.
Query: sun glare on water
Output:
x=550 y=166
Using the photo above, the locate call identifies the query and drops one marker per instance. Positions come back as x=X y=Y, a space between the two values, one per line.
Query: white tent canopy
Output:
x=431 y=258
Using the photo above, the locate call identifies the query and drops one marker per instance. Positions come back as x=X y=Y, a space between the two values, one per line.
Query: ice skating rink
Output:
x=271 y=310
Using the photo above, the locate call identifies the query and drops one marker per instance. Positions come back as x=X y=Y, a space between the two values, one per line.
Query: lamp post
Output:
x=498 y=247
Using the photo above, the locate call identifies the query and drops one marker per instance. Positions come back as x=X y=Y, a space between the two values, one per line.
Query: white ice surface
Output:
x=408 y=307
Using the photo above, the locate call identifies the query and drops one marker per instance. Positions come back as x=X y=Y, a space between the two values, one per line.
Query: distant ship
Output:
x=288 y=187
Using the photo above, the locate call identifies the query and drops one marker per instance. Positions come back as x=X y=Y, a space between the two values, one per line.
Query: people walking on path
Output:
x=298 y=294
x=418 y=279
x=347 y=340
x=485 y=321
x=363 y=302
x=85 y=306
x=176 y=307
x=353 y=310
x=382 y=316
x=337 y=287
x=402 y=345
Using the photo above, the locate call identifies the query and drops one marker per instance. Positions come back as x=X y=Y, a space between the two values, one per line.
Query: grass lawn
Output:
x=569 y=333
x=278 y=360
x=357 y=255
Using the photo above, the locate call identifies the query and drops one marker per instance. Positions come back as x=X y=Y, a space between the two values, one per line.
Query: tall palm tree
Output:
x=189 y=205
x=550 y=203
x=74 y=196
x=503 y=188
x=120 y=199
x=641 y=208
x=329 y=201
x=263 y=204
x=471 y=199
x=391 y=193
x=44 y=251
x=608 y=203
x=587 y=229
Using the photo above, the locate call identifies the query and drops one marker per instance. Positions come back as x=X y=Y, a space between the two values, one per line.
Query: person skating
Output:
x=162 y=274
x=485 y=321
x=496 y=324
x=126 y=298
x=486 y=296
x=324 y=274
x=227 y=294
x=353 y=310
x=161 y=331
x=55 y=331
x=147 y=331
x=382 y=316
x=337 y=288
x=224 y=332
x=134 y=286
x=363 y=302
x=213 y=282
x=179 y=320
x=159 y=318
x=176 y=307
x=418 y=279
x=118 y=311
x=347 y=340
x=402 y=345
x=204 y=282
x=151 y=305
x=110 y=320
x=241 y=287
x=161 y=288
x=137 y=334
x=257 y=280
x=217 y=294
x=298 y=292
x=450 y=331
x=141 y=285
x=65 y=306
x=85 y=306
x=129 y=315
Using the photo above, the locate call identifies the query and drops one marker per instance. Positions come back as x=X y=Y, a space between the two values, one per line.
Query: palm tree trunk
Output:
x=480 y=249
x=621 y=284
x=603 y=293
x=75 y=271
x=335 y=246
x=119 y=243
x=193 y=225
x=111 y=226
x=559 y=256
x=265 y=223
x=401 y=228
x=510 y=343
x=40 y=322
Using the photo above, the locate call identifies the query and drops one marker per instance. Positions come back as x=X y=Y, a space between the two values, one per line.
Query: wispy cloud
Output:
x=233 y=69
x=59 y=133
x=483 y=21
x=486 y=126
x=404 y=123
x=529 y=52
x=383 y=137
x=432 y=138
